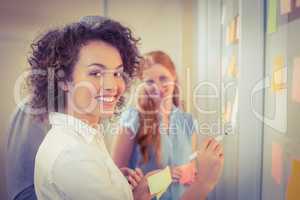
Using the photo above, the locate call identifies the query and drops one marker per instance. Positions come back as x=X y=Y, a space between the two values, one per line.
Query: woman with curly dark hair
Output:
x=78 y=76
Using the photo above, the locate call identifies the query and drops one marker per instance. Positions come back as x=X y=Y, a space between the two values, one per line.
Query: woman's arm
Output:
x=122 y=147
x=210 y=165
x=194 y=141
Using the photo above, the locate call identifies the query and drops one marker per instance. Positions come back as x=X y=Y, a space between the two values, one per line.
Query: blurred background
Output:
x=226 y=53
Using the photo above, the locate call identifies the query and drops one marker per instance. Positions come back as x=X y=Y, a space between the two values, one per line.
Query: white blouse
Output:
x=73 y=163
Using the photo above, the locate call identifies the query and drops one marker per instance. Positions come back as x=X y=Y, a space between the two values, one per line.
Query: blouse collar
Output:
x=75 y=124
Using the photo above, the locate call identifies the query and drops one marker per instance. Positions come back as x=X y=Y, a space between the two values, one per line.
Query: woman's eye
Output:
x=163 y=79
x=97 y=74
x=118 y=74
x=149 y=82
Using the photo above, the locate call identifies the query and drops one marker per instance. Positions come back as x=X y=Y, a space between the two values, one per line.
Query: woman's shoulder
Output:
x=179 y=113
x=185 y=120
x=130 y=113
x=130 y=119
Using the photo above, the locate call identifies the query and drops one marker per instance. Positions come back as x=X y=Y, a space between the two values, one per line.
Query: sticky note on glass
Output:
x=296 y=81
x=232 y=31
x=232 y=68
x=188 y=173
x=238 y=28
x=277 y=162
x=285 y=6
x=228 y=35
x=278 y=74
x=228 y=112
x=297 y=3
x=272 y=16
x=293 y=186
x=158 y=183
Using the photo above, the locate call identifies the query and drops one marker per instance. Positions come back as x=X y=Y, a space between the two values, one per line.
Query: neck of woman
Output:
x=90 y=119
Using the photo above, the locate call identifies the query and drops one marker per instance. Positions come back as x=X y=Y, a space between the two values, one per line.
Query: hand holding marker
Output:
x=194 y=155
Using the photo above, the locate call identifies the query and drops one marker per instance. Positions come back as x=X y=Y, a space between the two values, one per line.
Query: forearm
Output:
x=195 y=192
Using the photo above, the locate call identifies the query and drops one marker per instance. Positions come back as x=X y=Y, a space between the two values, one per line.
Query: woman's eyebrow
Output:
x=120 y=67
x=98 y=65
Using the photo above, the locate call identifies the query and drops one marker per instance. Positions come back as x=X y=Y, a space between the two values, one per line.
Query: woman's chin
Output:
x=107 y=115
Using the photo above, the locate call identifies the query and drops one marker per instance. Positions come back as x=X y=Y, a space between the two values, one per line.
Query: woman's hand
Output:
x=133 y=177
x=142 y=192
x=210 y=164
x=176 y=173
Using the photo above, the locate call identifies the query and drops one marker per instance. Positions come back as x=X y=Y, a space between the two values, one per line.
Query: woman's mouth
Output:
x=107 y=100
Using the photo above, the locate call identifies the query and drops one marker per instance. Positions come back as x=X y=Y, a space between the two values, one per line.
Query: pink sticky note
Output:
x=285 y=6
x=296 y=81
x=188 y=173
x=297 y=3
x=277 y=162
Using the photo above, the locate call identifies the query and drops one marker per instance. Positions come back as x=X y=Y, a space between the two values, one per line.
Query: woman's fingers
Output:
x=139 y=173
x=219 y=151
x=212 y=145
x=176 y=174
x=126 y=171
x=205 y=144
x=132 y=181
x=133 y=176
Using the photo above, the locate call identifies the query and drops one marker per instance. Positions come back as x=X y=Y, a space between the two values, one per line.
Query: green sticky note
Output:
x=159 y=182
x=272 y=16
x=160 y=194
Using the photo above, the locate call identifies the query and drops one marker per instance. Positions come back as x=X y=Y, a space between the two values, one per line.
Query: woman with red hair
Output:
x=157 y=133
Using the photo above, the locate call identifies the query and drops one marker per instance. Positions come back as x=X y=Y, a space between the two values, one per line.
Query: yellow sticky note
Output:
x=278 y=76
x=160 y=194
x=228 y=111
x=228 y=35
x=238 y=28
x=285 y=6
x=293 y=187
x=272 y=16
x=159 y=182
x=232 y=68
x=232 y=31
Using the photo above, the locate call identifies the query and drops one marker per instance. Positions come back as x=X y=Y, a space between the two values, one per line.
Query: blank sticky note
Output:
x=296 y=81
x=232 y=68
x=228 y=112
x=272 y=16
x=188 y=173
x=238 y=28
x=278 y=74
x=293 y=186
x=297 y=3
x=277 y=162
x=227 y=35
x=159 y=182
x=232 y=31
x=285 y=6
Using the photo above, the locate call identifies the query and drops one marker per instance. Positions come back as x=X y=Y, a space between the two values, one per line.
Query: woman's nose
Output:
x=109 y=83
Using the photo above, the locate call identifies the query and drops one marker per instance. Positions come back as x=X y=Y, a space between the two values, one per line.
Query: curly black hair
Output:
x=55 y=53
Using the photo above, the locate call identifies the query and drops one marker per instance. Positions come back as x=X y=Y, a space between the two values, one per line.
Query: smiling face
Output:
x=97 y=81
x=159 y=82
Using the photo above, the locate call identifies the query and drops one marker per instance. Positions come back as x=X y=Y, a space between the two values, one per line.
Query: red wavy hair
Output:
x=148 y=134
